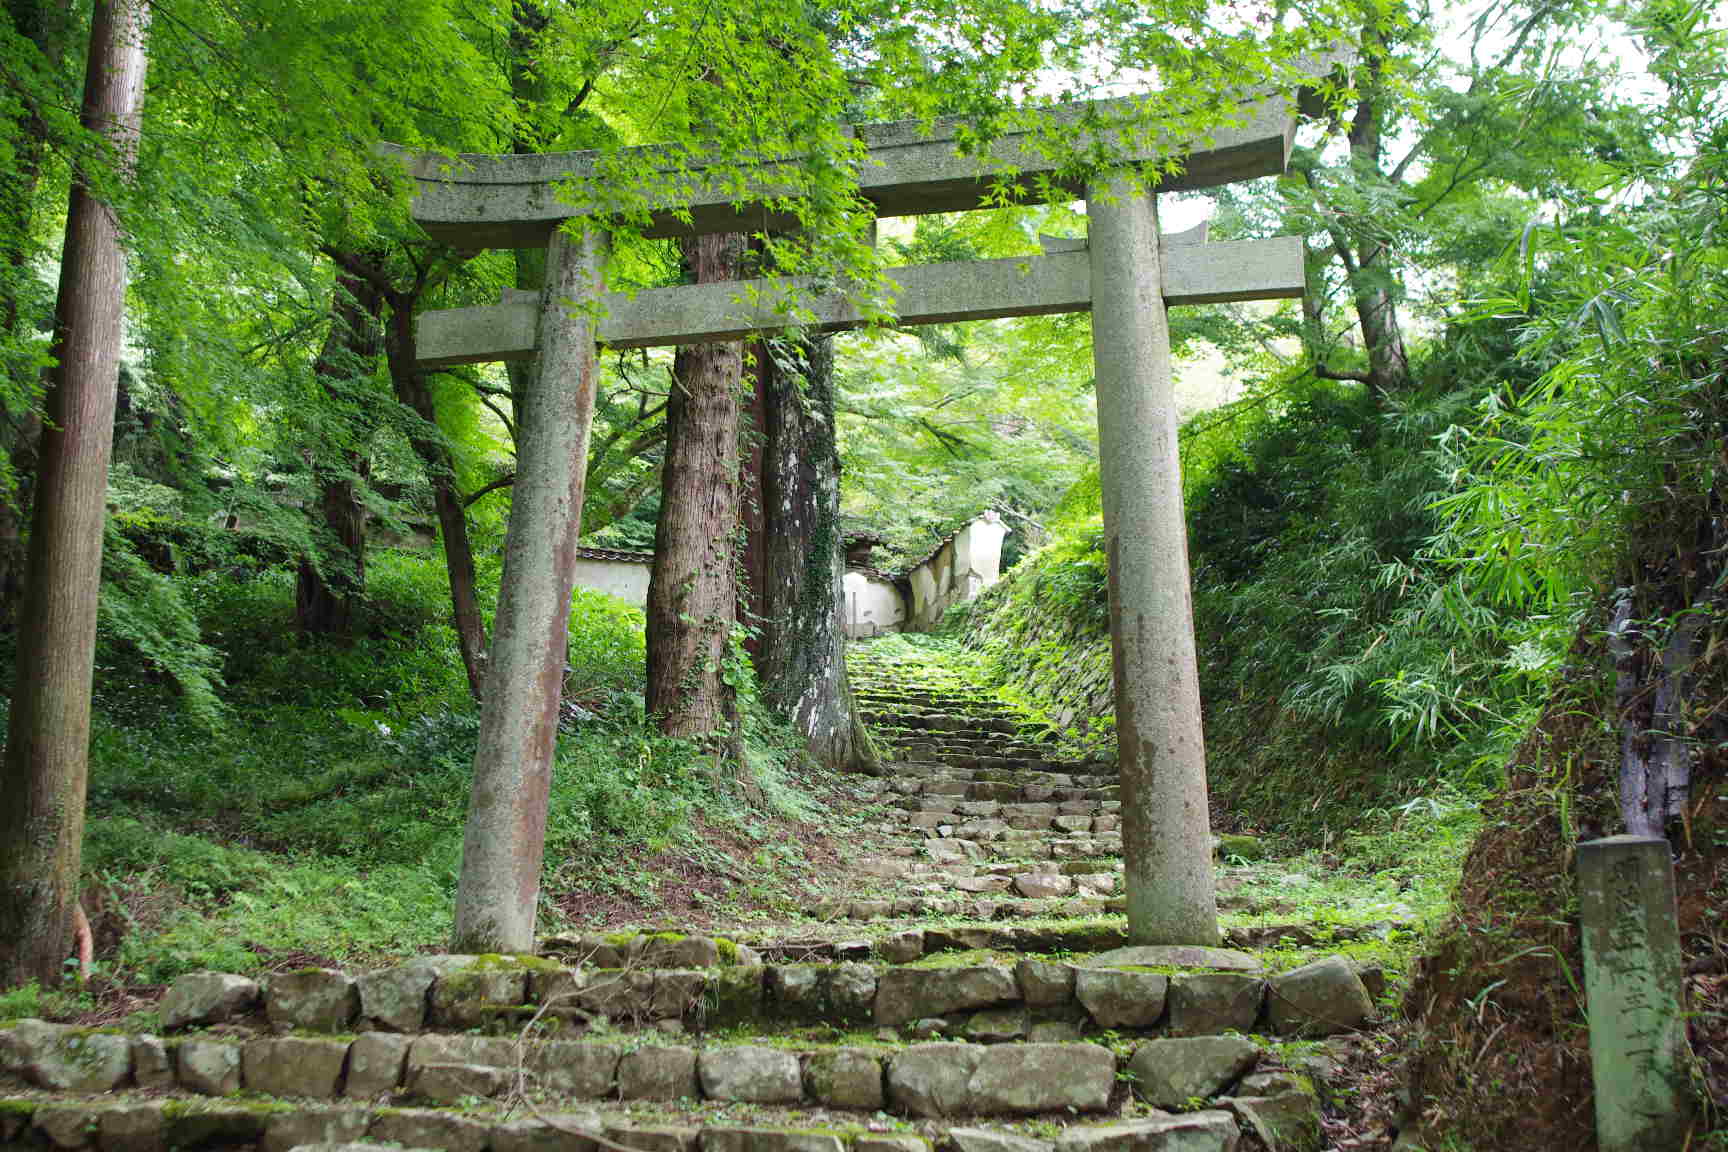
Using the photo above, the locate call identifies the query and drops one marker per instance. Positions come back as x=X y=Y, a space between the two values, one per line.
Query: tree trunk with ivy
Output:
x=43 y=25
x=330 y=582
x=412 y=392
x=692 y=589
x=797 y=560
x=48 y=730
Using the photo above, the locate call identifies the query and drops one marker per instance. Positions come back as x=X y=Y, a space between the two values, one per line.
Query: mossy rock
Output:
x=1235 y=845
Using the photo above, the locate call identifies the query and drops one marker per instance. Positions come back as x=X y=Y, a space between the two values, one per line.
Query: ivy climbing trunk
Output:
x=796 y=562
x=331 y=581
x=412 y=392
x=43 y=25
x=692 y=589
x=48 y=730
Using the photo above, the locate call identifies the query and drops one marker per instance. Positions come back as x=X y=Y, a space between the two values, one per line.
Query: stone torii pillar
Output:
x=1166 y=824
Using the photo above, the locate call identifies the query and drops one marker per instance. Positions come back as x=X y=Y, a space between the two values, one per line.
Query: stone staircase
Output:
x=660 y=1041
x=970 y=992
x=998 y=823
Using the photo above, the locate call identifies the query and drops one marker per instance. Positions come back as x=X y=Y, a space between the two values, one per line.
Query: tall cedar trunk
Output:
x=44 y=26
x=798 y=572
x=692 y=590
x=752 y=510
x=328 y=589
x=410 y=388
x=48 y=733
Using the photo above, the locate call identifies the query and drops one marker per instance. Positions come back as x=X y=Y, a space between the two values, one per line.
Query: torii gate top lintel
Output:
x=496 y=201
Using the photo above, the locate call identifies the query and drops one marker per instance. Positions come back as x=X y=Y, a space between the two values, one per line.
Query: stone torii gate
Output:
x=1124 y=273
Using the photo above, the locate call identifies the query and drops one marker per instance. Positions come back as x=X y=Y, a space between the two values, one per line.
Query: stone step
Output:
x=493 y=995
x=1283 y=1110
x=1023 y=1028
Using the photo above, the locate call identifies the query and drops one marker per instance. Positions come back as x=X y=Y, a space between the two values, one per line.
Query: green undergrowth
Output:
x=1349 y=665
x=319 y=815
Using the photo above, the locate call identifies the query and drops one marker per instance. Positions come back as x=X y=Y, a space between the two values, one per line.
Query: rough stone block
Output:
x=137 y=1126
x=448 y=1083
x=316 y=999
x=1045 y=984
x=294 y=1066
x=1288 y=1122
x=63 y=1058
x=1024 y=1078
x=658 y=1073
x=994 y=1140
x=1117 y=999
x=152 y=1066
x=674 y=951
x=845 y=1078
x=207 y=998
x=750 y=1075
x=429 y=1128
x=889 y=1142
x=67 y=1126
x=1211 y=1131
x=475 y=998
x=654 y=1137
x=287 y=1130
x=997 y=1026
x=795 y=992
x=1043 y=885
x=1203 y=1004
x=1318 y=999
x=1170 y=1073
x=213 y=1123
x=1053 y=1032
x=905 y=994
x=933 y=1079
x=851 y=993
x=575 y=1069
x=209 y=1067
x=1176 y=956
x=622 y=994
x=558 y=1132
x=678 y=995
x=556 y=988
x=736 y=996
x=395 y=999
x=375 y=1062
x=716 y=1139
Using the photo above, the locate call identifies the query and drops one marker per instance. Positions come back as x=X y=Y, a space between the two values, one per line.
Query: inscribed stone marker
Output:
x=1632 y=978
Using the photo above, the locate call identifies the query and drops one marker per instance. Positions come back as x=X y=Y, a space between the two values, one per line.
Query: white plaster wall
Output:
x=624 y=579
x=873 y=606
x=958 y=571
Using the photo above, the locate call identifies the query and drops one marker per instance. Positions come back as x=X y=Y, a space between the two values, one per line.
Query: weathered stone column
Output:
x=506 y=831
x=1166 y=830
x=1632 y=979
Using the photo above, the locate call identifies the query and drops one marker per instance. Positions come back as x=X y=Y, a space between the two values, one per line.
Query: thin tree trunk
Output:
x=328 y=588
x=48 y=734
x=801 y=657
x=692 y=590
x=411 y=391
